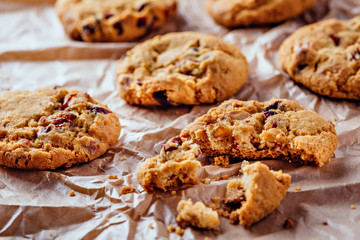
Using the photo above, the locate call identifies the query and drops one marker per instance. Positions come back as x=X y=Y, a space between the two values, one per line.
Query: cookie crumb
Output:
x=288 y=224
x=207 y=238
x=173 y=193
x=113 y=177
x=179 y=231
x=225 y=177
x=214 y=204
x=334 y=119
x=297 y=188
x=123 y=158
x=106 y=219
x=50 y=234
x=127 y=189
x=170 y=228
x=206 y=181
x=352 y=207
x=72 y=193
x=151 y=226
x=325 y=223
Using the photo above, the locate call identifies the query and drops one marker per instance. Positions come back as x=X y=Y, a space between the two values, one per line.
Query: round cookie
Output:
x=325 y=57
x=181 y=68
x=233 y=13
x=53 y=127
x=113 y=21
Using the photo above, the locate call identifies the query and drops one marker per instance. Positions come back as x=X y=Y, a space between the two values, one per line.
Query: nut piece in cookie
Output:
x=174 y=168
x=325 y=57
x=113 y=21
x=53 y=127
x=185 y=68
x=197 y=215
x=256 y=194
x=233 y=13
x=278 y=128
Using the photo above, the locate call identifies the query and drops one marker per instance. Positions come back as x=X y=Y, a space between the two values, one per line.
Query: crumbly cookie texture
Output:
x=197 y=215
x=181 y=68
x=233 y=13
x=53 y=127
x=257 y=193
x=174 y=168
x=325 y=57
x=278 y=128
x=113 y=21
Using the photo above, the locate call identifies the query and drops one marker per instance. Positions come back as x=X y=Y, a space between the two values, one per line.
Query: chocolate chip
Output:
x=195 y=49
x=189 y=73
x=141 y=22
x=274 y=105
x=89 y=29
x=142 y=6
x=108 y=15
x=118 y=27
x=100 y=110
x=335 y=39
x=161 y=98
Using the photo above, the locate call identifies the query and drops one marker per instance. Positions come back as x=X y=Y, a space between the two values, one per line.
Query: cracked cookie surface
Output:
x=181 y=68
x=53 y=127
x=113 y=20
x=233 y=13
x=325 y=57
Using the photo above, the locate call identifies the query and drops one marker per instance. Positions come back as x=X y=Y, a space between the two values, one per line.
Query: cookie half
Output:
x=181 y=68
x=233 y=13
x=325 y=57
x=113 y=21
x=53 y=127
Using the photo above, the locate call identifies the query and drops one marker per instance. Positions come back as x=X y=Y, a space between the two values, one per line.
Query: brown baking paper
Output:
x=35 y=52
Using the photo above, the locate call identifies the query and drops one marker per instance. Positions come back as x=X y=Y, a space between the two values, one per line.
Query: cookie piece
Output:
x=113 y=21
x=233 y=13
x=197 y=215
x=325 y=57
x=181 y=68
x=256 y=194
x=174 y=168
x=53 y=127
x=278 y=128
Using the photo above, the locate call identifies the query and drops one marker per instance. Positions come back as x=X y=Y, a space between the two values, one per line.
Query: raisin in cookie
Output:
x=53 y=127
x=181 y=68
x=113 y=21
x=325 y=57
x=233 y=13
x=256 y=194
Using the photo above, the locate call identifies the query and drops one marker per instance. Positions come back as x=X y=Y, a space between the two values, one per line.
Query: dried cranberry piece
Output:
x=142 y=6
x=47 y=129
x=161 y=98
x=66 y=104
x=176 y=140
x=355 y=55
x=301 y=67
x=65 y=117
x=108 y=15
x=141 y=22
x=99 y=110
x=335 y=39
x=269 y=113
x=88 y=29
x=274 y=125
x=274 y=105
x=189 y=73
x=118 y=27
x=195 y=49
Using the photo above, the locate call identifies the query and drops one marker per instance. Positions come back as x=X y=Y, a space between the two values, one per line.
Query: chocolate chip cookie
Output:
x=256 y=194
x=233 y=13
x=325 y=57
x=181 y=68
x=53 y=127
x=276 y=129
x=113 y=21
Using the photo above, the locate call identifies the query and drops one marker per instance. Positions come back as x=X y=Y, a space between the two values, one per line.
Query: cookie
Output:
x=276 y=129
x=256 y=194
x=325 y=57
x=233 y=13
x=181 y=68
x=53 y=127
x=113 y=21
x=197 y=215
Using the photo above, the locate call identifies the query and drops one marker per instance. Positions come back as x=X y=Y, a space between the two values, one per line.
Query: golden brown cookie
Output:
x=53 y=127
x=181 y=68
x=113 y=21
x=233 y=13
x=325 y=57
x=256 y=194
